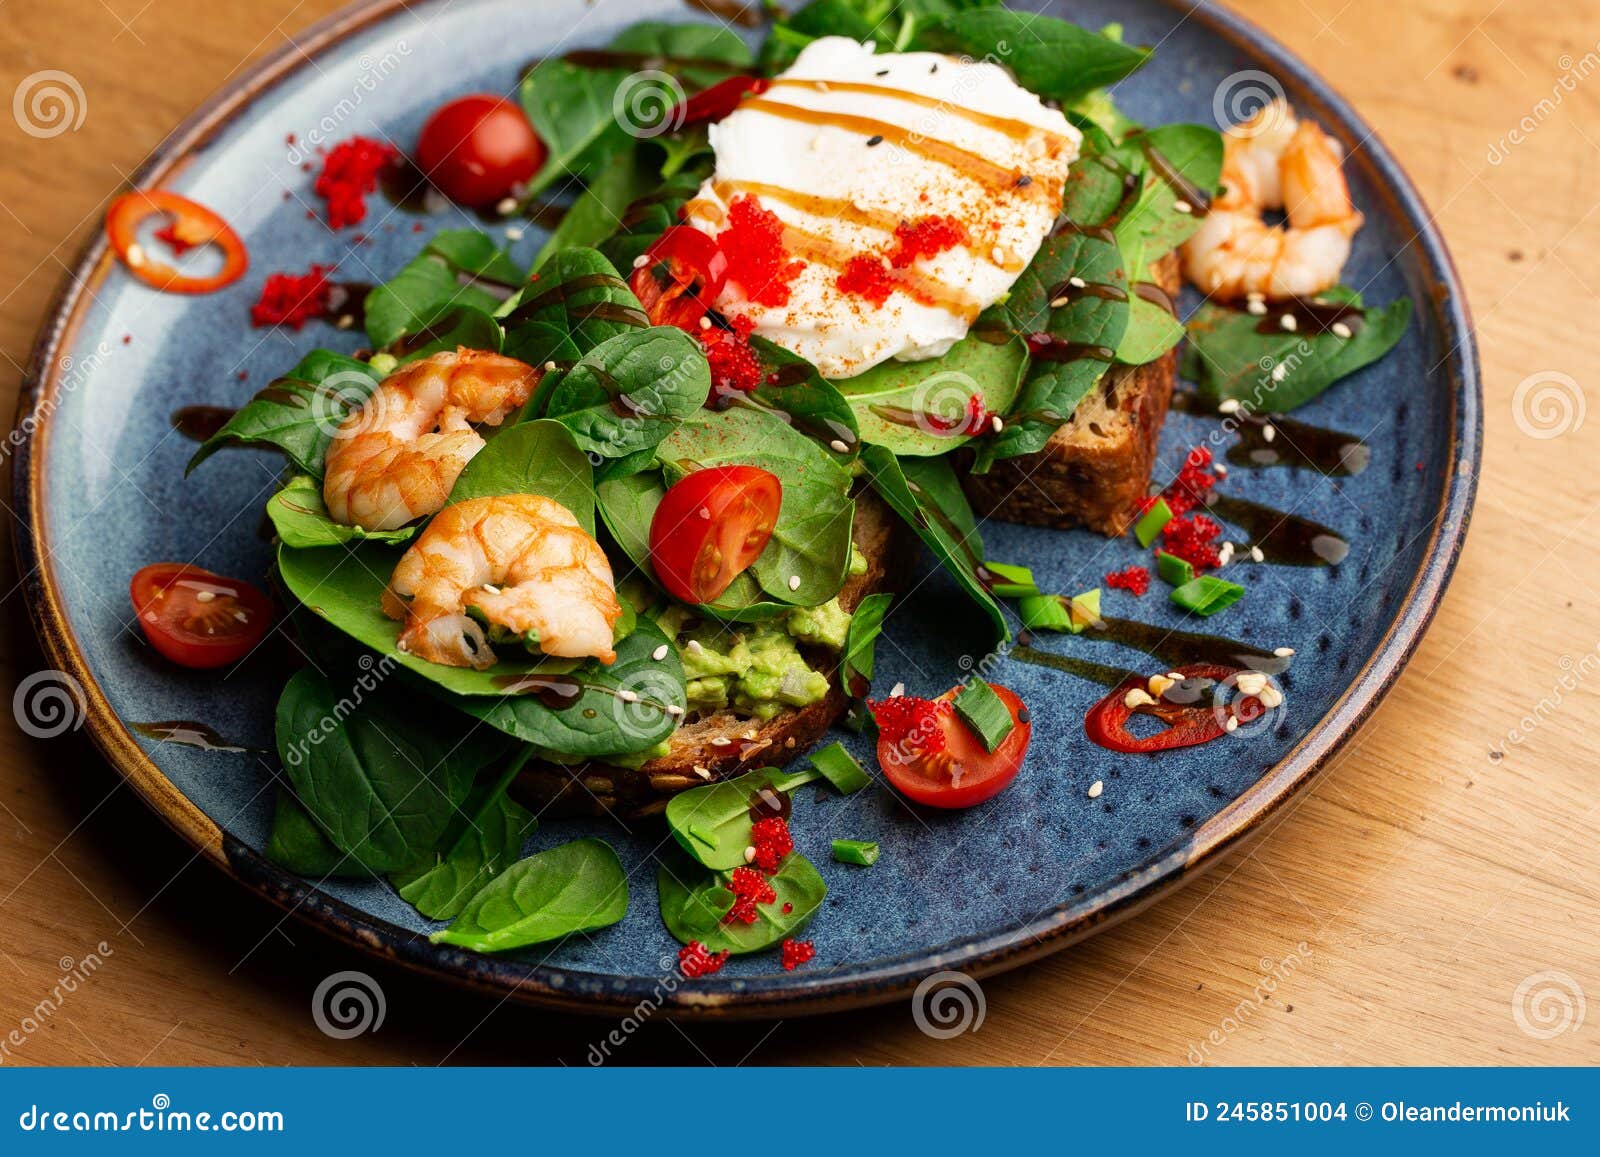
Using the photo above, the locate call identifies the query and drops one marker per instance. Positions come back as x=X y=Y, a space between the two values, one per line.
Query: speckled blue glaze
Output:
x=977 y=889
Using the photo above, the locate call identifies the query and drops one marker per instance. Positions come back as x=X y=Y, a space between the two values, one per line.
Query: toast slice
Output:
x=723 y=745
x=1095 y=469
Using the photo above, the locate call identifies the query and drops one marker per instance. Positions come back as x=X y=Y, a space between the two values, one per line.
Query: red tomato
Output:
x=189 y=224
x=478 y=149
x=934 y=758
x=683 y=273
x=1186 y=725
x=710 y=527
x=196 y=618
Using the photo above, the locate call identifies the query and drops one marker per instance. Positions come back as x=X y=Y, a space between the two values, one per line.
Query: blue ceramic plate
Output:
x=100 y=486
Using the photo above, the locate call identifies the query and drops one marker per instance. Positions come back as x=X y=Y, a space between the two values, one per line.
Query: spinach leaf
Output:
x=925 y=493
x=574 y=887
x=630 y=391
x=489 y=841
x=296 y=843
x=1091 y=323
x=713 y=822
x=1191 y=153
x=811 y=541
x=891 y=23
x=301 y=519
x=594 y=710
x=597 y=213
x=1151 y=332
x=900 y=405
x=450 y=328
x=1050 y=57
x=377 y=773
x=1231 y=360
x=694 y=903
x=299 y=412
x=804 y=399
x=458 y=267
x=576 y=302
x=531 y=458
x=1100 y=179
x=649 y=216
x=861 y=637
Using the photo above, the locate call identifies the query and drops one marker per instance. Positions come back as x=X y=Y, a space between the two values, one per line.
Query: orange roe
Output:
x=1135 y=579
x=865 y=276
x=735 y=367
x=757 y=260
x=749 y=888
x=797 y=952
x=925 y=237
x=695 y=960
x=772 y=842
x=292 y=299
x=910 y=721
x=349 y=172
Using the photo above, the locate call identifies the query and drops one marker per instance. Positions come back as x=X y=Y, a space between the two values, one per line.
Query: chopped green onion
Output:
x=1018 y=580
x=1152 y=521
x=984 y=713
x=1044 y=613
x=840 y=769
x=861 y=852
x=861 y=637
x=1085 y=610
x=1173 y=569
x=1207 y=595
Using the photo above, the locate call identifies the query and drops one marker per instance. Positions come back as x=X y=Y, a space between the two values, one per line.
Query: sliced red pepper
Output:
x=717 y=101
x=190 y=224
x=1187 y=726
x=694 y=269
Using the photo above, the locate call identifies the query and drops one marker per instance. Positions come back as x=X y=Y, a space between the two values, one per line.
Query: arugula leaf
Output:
x=1227 y=353
x=713 y=822
x=577 y=302
x=866 y=624
x=301 y=519
x=811 y=540
x=299 y=412
x=488 y=843
x=630 y=391
x=1093 y=322
x=379 y=776
x=574 y=887
x=889 y=399
x=1050 y=57
x=458 y=267
x=296 y=843
x=924 y=492
x=694 y=902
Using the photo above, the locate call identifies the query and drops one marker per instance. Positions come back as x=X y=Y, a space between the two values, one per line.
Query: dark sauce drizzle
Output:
x=1180 y=648
x=1283 y=538
x=1312 y=317
x=198 y=423
x=1293 y=443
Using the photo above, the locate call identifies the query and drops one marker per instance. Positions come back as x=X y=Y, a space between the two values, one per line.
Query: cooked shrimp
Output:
x=1272 y=161
x=397 y=457
x=520 y=562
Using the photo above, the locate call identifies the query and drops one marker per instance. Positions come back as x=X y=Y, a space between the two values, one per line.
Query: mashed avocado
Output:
x=754 y=669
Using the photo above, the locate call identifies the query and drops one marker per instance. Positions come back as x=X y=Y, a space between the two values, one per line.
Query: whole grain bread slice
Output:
x=1096 y=467
x=722 y=745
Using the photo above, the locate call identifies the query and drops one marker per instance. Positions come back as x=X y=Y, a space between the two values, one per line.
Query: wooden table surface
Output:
x=1419 y=903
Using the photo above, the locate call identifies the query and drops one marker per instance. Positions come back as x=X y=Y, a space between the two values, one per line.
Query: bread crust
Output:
x=1095 y=469
x=724 y=745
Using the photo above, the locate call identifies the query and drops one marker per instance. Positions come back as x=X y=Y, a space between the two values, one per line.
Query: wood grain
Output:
x=1395 y=907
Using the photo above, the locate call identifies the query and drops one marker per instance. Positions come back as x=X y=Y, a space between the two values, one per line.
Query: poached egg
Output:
x=846 y=146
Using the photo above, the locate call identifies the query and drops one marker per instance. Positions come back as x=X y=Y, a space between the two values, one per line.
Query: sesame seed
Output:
x=640 y=261
x=1251 y=682
x=996 y=423
x=1182 y=206
x=490 y=590
x=1271 y=697
x=674 y=709
x=659 y=653
x=549 y=367
x=838 y=447
x=1225 y=554
x=1232 y=724
x=345 y=321
x=1269 y=432
x=1058 y=302
x=874 y=141
x=1257 y=307
x=702 y=772
x=401 y=647
x=750 y=854
x=794 y=582
x=1077 y=282
x=897 y=690
x=1279 y=371
x=1158 y=685
x=1340 y=329
x=514 y=233
x=1096 y=788
x=205 y=596
x=1175 y=676
x=1284 y=652
x=628 y=696
x=1256 y=555
x=1228 y=406
x=506 y=207
x=705 y=323
x=1288 y=322
x=693 y=647
x=1220 y=470
x=722 y=741
x=1138 y=697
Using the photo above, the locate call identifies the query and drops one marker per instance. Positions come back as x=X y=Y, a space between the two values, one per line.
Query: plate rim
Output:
x=886 y=979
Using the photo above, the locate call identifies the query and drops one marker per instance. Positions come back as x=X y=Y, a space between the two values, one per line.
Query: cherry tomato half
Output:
x=683 y=273
x=476 y=150
x=946 y=765
x=717 y=101
x=189 y=224
x=196 y=618
x=710 y=527
x=1187 y=725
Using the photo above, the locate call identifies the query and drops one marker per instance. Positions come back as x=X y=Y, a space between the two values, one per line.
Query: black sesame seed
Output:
x=934 y=67
x=1023 y=715
x=881 y=72
x=874 y=141
x=1024 y=181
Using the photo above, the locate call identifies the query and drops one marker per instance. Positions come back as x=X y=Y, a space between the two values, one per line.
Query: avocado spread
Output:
x=754 y=669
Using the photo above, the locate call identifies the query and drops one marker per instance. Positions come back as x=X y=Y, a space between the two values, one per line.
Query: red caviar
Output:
x=925 y=237
x=1193 y=539
x=292 y=299
x=749 y=888
x=797 y=952
x=912 y=722
x=757 y=260
x=735 y=367
x=1135 y=579
x=694 y=959
x=772 y=842
x=864 y=276
x=349 y=172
